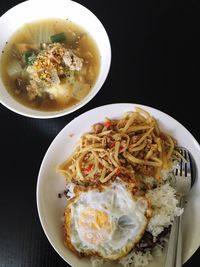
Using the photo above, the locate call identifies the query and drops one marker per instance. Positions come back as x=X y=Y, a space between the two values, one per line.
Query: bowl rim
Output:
x=37 y=114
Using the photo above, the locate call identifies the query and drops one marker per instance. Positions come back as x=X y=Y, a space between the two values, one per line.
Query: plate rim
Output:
x=82 y=115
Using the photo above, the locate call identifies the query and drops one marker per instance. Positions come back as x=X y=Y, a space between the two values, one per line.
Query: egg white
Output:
x=106 y=222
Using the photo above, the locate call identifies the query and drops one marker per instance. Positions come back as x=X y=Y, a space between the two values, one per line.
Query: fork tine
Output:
x=181 y=162
x=191 y=168
x=186 y=165
x=187 y=155
x=184 y=168
x=176 y=171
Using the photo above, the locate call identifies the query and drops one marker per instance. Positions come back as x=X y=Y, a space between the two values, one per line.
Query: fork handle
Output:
x=174 y=250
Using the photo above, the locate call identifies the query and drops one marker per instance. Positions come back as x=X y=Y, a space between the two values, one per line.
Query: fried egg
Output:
x=107 y=221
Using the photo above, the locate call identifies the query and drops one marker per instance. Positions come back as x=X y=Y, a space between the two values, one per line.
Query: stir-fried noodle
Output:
x=130 y=146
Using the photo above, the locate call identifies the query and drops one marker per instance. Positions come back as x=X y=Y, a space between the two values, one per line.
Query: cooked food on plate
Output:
x=121 y=204
x=50 y=64
x=128 y=146
x=106 y=221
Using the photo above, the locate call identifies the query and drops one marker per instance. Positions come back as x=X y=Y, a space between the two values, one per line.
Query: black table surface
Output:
x=155 y=59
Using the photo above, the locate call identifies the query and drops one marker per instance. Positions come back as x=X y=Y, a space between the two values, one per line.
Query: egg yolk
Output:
x=95 y=225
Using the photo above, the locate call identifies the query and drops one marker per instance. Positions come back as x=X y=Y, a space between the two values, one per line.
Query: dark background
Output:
x=155 y=61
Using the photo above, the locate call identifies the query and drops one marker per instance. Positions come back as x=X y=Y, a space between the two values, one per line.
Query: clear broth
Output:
x=77 y=39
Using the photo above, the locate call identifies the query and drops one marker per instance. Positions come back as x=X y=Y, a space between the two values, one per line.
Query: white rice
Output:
x=136 y=259
x=97 y=261
x=133 y=259
x=164 y=209
x=164 y=206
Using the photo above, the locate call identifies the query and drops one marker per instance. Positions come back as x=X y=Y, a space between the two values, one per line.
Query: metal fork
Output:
x=183 y=179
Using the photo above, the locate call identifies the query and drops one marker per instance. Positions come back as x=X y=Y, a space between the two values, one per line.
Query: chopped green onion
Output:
x=29 y=57
x=70 y=75
x=58 y=38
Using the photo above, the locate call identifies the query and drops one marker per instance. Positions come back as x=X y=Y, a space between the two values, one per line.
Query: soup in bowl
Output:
x=54 y=63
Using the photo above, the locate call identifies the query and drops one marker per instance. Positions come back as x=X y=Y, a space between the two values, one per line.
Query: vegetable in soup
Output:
x=50 y=64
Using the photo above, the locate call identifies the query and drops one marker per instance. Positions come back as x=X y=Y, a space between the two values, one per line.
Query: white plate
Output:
x=51 y=208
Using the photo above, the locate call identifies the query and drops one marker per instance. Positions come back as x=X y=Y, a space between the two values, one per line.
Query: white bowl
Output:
x=28 y=11
x=50 y=183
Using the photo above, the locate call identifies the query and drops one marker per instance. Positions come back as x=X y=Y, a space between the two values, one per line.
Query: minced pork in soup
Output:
x=50 y=64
